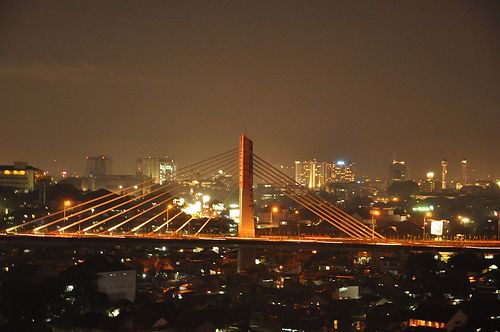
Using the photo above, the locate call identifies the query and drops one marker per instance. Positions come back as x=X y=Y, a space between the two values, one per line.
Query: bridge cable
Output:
x=137 y=215
x=75 y=206
x=347 y=224
x=314 y=196
x=185 y=170
x=330 y=208
x=232 y=170
x=126 y=221
x=320 y=201
x=309 y=206
x=110 y=194
x=231 y=191
x=223 y=163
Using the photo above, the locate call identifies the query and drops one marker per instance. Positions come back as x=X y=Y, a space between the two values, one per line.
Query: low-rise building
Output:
x=113 y=278
x=20 y=176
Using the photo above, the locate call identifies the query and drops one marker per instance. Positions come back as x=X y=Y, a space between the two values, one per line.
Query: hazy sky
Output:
x=360 y=80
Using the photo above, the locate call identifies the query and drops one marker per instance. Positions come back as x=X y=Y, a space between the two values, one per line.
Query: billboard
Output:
x=437 y=227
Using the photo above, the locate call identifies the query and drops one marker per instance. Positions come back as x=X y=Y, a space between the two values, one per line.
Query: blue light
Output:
x=340 y=163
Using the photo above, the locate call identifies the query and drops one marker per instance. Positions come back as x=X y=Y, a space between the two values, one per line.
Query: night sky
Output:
x=360 y=80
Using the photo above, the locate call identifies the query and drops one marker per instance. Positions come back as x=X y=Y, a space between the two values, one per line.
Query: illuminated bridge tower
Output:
x=246 y=255
x=247 y=225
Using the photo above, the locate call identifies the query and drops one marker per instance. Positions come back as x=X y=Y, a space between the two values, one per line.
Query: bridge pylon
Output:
x=247 y=222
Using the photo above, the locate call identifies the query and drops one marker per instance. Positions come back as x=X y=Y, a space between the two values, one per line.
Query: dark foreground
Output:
x=181 y=287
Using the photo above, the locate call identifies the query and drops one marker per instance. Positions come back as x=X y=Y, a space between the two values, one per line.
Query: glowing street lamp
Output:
x=67 y=204
x=274 y=209
x=374 y=213
x=496 y=214
x=426 y=215
x=169 y=206
x=463 y=221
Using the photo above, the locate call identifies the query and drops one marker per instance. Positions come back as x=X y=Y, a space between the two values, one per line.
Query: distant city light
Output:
x=192 y=209
x=465 y=220
x=437 y=227
x=423 y=208
x=234 y=214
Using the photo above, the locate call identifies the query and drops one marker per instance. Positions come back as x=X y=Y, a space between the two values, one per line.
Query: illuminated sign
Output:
x=234 y=213
x=423 y=208
x=437 y=227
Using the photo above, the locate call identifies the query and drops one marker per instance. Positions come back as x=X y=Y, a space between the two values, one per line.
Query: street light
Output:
x=463 y=221
x=426 y=215
x=498 y=221
x=169 y=206
x=374 y=213
x=273 y=210
x=67 y=204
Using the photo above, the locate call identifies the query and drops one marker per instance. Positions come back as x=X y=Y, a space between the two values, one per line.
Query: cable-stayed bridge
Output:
x=151 y=211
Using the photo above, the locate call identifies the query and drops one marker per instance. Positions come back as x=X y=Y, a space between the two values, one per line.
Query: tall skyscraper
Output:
x=428 y=183
x=444 y=174
x=465 y=179
x=340 y=171
x=310 y=173
x=97 y=166
x=398 y=171
x=159 y=169
x=315 y=174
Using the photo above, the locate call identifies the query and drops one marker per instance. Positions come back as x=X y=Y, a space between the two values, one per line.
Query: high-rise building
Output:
x=398 y=171
x=465 y=178
x=310 y=173
x=98 y=166
x=159 y=169
x=428 y=185
x=430 y=179
x=444 y=173
x=315 y=174
x=340 y=171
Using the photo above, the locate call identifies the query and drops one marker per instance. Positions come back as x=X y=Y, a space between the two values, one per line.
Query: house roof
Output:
x=12 y=167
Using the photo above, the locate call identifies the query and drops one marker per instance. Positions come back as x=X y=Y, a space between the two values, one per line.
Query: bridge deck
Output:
x=258 y=242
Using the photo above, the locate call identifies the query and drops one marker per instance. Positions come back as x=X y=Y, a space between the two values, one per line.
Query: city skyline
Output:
x=456 y=174
x=320 y=80
x=249 y=165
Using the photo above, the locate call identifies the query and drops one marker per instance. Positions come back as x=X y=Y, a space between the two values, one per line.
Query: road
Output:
x=262 y=241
